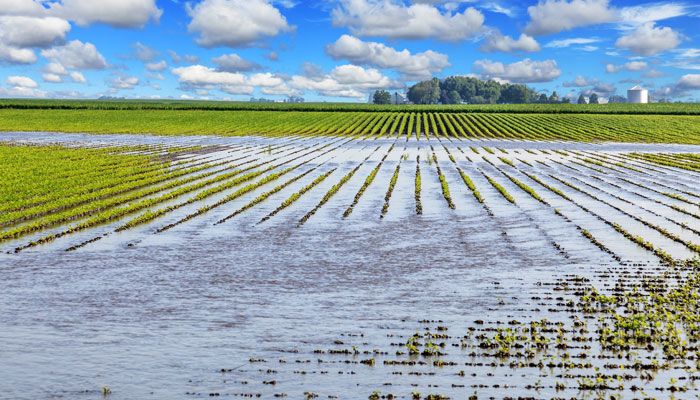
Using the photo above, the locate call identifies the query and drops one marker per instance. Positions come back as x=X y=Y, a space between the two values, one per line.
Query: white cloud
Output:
x=19 y=91
x=118 y=13
x=188 y=58
x=525 y=71
x=199 y=77
x=552 y=16
x=23 y=32
x=21 y=81
x=144 y=53
x=630 y=66
x=414 y=66
x=562 y=43
x=77 y=77
x=416 y=21
x=51 y=78
x=580 y=81
x=234 y=63
x=123 y=82
x=685 y=84
x=16 y=55
x=647 y=40
x=235 y=23
x=640 y=15
x=345 y=81
x=76 y=55
x=689 y=82
x=497 y=42
x=157 y=66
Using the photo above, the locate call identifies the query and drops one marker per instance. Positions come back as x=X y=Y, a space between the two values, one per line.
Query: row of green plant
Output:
x=529 y=126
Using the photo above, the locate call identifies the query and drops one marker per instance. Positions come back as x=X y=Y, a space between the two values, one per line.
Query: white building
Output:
x=638 y=95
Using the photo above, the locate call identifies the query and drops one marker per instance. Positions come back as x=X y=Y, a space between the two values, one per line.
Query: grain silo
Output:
x=638 y=95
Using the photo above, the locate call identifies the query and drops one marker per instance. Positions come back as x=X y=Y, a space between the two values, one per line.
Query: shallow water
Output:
x=160 y=315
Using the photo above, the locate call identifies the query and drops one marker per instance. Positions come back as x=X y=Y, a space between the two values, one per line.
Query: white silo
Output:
x=638 y=95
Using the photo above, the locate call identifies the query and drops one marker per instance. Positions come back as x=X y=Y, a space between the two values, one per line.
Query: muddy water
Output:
x=160 y=316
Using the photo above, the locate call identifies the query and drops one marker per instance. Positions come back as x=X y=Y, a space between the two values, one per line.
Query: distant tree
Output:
x=515 y=94
x=581 y=99
x=593 y=99
x=426 y=92
x=453 y=97
x=543 y=99
x=554 y=98
x=617 y=99
x=566 y=100
x=381 y=97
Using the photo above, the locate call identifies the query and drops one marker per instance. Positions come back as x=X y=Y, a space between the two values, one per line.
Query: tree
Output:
x=593 y=99
x=426 y=92
x=554 y=98
x=515 y=94
x=542 y=99
x=581 y=99
x=382 y=97
x=566 y=100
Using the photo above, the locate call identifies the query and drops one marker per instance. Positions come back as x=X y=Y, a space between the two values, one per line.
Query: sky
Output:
x=343 y=50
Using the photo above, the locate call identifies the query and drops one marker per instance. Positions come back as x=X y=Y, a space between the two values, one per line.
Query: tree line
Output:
x=462 y=89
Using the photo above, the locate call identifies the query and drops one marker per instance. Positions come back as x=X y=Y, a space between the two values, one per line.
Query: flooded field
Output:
x=327 y=267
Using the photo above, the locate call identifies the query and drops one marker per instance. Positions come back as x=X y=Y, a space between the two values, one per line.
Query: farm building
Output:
x=638 y=95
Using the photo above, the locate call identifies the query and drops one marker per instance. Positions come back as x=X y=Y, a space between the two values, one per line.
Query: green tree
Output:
x=543 y=99
x=593 y=99
x=425 y=92
x=581 y=99
x=554 y=98
x=381 y=97
x=515 y=94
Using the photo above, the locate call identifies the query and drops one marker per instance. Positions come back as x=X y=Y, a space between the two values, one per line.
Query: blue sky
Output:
x=342 y=50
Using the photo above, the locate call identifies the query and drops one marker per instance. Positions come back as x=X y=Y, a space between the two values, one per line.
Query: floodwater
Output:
x=242 y=309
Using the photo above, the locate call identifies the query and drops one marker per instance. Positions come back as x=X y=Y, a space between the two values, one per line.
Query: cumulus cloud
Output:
x=648 y=40
x=413 y=66
x=22 y=31
x=200 y=77
x=552 y=16
x=56 y=73
x=76 y=55
x=122 y=82
x=16 y=55
x=144 y=53
x=525 y=71
x=399 y=21
x=685 y=84
x=580 y=81
x=235 y=63
x=235 y=23
x=188 y=58
x=345 y=81
x=498 y=42
x=21 y=81
x=117 y=13
x=157 y=66
x=19 y=34
x=630 y=66
x=689 y=82
x=21 y=86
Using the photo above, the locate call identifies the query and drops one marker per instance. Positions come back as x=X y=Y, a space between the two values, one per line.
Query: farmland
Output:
x=590 y=123
x=461 y=264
